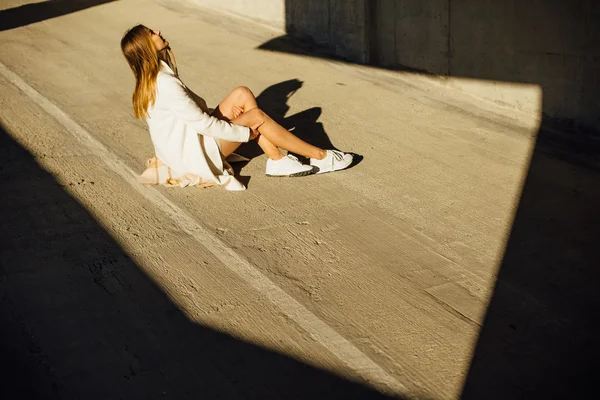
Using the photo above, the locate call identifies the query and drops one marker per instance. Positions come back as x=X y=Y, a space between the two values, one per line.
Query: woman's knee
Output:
x=256 y=114
x=243 y=92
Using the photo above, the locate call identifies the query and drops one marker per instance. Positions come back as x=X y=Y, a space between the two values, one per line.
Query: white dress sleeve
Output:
x=175 y=98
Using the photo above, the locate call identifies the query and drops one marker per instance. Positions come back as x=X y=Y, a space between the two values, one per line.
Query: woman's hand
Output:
x=254 y=130
x=237 y=111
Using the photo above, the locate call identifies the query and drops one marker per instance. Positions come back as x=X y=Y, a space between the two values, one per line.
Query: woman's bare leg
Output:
x=278 y=135
x=272 y=135
x=242 y=98
x=240 y=108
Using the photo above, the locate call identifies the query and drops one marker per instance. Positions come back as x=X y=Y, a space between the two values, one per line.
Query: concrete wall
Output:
x=553 y=44
x=338 y=24
x=550 y=44
x=410 y=33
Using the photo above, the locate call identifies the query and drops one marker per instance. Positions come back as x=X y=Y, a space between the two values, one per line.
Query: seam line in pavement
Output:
x=322 y=333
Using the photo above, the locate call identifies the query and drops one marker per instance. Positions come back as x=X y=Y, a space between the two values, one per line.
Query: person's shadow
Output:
x=274 y=102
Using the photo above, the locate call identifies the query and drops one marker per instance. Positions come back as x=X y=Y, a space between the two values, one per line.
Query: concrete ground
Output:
x=369 y=283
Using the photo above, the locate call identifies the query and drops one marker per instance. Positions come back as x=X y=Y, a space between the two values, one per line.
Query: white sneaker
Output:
x=287 y=166
x=334 y=161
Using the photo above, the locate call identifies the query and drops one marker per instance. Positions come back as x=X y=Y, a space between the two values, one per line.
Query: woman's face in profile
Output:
x=159 y=42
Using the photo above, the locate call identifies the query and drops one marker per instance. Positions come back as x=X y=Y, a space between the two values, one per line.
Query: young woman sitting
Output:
x=191 y=142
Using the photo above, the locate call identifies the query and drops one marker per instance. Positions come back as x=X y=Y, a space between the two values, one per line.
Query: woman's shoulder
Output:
x=166 y=76
x=165 y=80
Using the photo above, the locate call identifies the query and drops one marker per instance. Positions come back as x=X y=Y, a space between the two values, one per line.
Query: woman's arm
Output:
x=175 y=98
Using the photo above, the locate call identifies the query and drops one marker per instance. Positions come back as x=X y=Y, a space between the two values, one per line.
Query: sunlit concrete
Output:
x=399 y=254
x=267 y=12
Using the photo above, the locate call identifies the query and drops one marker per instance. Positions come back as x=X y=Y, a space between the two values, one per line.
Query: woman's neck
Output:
x=163 y=55
x=168 y=57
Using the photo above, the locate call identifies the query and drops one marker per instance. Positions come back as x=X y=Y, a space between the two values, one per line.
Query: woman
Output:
x=190 y=143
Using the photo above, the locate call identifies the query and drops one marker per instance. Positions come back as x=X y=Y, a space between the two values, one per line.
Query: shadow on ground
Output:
x=80 y=319
x=540 y=335
x=36 y=12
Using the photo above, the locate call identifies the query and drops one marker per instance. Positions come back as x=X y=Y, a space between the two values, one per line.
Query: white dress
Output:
x=186 y=138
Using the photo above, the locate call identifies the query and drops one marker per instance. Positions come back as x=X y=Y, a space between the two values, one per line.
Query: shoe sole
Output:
x=294 y=175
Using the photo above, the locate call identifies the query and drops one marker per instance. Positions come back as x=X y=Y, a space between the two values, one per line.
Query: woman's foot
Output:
x=287 y=166
x=334 y=161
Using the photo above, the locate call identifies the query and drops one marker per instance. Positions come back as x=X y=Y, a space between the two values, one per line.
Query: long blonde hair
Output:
x=143 y=58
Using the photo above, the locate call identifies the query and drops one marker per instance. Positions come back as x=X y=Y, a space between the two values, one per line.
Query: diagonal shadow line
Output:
x=36 y=12
x=539 y=335
x=80 y=319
